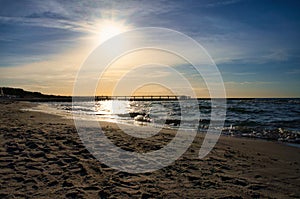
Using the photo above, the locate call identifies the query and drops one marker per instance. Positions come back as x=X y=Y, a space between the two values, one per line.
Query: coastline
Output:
x=42 y=156
x=280 y=135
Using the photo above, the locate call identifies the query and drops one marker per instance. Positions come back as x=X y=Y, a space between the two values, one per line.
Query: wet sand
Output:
x=42 y=156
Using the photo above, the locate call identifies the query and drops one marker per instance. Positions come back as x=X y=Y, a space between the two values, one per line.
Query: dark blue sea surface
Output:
x=273 y=119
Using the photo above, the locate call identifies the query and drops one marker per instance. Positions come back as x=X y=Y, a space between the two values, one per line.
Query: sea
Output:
x=270 y=119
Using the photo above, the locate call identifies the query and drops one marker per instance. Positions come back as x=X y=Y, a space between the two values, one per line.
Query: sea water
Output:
x=273 y=119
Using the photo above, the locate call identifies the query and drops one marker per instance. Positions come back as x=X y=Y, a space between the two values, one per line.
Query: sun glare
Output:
x=109 y=29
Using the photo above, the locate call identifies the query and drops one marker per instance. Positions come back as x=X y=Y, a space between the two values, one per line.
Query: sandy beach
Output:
x=42 y=156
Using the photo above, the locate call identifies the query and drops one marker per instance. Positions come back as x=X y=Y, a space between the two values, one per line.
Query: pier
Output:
x=143 y=98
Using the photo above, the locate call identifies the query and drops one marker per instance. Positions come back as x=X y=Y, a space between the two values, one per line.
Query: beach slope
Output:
x=42 y=156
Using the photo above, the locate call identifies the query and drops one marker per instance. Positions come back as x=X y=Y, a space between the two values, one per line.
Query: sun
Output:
x=108 y=29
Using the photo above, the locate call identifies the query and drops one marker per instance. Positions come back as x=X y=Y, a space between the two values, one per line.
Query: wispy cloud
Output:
x=250 y=56
x=250 y=83
x=243 y=74
x=217 y=3
x=276 y=55
x=293 y=72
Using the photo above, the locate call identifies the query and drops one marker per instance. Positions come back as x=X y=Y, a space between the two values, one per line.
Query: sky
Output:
x=254 y=43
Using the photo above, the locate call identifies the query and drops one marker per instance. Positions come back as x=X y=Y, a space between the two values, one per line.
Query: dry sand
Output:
x=41 y=156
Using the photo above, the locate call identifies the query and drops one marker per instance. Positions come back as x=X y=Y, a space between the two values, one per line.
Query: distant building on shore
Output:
x=1 y=92
x=2 y=95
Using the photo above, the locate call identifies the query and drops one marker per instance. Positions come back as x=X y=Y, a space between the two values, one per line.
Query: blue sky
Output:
x=255 y=44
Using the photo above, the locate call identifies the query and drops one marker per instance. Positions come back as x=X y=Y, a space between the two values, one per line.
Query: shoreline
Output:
x=53 y=111
x=42 y=156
